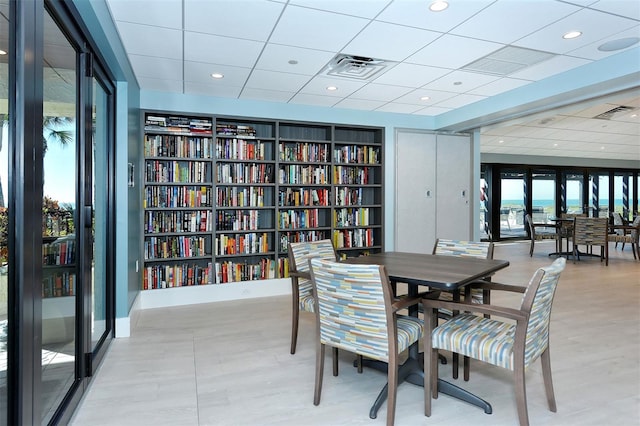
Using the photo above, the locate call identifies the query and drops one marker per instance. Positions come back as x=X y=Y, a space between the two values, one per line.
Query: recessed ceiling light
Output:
x=572 y=34
x=555 y=144
x=3 y=52
x=425 y=98
x=602 y=147
x=332 y=88
x=438 y=6
x=217 y=75
x=634 y=115
x=500 y=141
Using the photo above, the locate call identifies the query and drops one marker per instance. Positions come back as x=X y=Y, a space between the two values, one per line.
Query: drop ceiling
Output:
x=427 y=63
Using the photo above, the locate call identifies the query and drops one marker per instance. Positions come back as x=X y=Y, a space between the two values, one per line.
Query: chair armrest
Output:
x=501 y=311
x=492 y=285
x=300 y=274
x=405 y=301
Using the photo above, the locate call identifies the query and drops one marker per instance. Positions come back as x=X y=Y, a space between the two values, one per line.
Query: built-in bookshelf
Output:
x=224 y=196
x=59 y=266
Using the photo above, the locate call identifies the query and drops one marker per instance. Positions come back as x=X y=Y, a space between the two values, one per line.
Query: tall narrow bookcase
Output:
x=224 y=206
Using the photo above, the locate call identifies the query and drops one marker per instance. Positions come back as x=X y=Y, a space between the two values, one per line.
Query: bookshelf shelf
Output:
x=222 y=203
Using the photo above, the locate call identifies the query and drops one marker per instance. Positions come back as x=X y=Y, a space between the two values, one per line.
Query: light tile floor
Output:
x=228 y=363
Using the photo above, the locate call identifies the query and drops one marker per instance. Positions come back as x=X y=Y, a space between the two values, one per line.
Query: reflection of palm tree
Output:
x=50 y=131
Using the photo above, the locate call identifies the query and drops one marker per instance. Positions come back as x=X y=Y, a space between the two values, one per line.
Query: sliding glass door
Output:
x=513 y=189
x=543 y=195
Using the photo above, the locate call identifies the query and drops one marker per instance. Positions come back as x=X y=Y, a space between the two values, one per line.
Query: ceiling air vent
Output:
x=355 y=67
x=608 y=115
x=507 y=60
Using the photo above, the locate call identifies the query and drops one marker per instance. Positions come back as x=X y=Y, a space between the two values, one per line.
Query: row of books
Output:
x=292 y=197
x=238 y=220
x=348 y=238
x=346 y=175
x=252 y=196
x=229 y=271
x=298 y=237
x=244 y=173
x=170 y=247
x=176 y=196
x=250 y=243
x=297 y=174
x=159 y=171
x=356 y=154
x=176 y=275
x=351 y=217
x=59 y=284
x=60 y=252
x=348 y=196
x=307 y=152
x=178 y=124
x=159 y=221
x=177 y=146
x=235 y=130
x=297 y=219
x=240 y=149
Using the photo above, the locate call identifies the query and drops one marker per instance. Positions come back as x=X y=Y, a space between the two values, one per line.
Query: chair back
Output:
x=299 y=255
x=635 y=232
x=617 y=220
x=461 y=248
x=537 y=301
x=354 y=308
x=591 y=231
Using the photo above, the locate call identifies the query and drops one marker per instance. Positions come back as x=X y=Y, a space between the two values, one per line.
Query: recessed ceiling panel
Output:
x=201 y=73
x=166 y=13
x=272 y=80
x=453 y=52
x=266 y=95
x=411 y=75
x=158 y=68
x=151 y=41
x=221 y=50
x=379 y=92
x=361 y=8
x=294 y=60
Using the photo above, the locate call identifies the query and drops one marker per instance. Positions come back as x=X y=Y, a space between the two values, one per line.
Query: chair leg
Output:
x=430 y=362
x=359 y=363
x=334 y=352
x=392 y=380
x=521 y=394
x=545 y=358
x=295 y=316
x=319 y=372
x=531 y=247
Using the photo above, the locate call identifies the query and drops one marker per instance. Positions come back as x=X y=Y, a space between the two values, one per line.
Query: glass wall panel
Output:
x=599 y=194
x=512 y=203
x=543 y=198
x=623 y=194
x=484 y=207
x=573 y=193
x=4 y=202
x=58 y=219
x=99 y=226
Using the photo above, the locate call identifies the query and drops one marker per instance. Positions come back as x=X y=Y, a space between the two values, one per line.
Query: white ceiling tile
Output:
x=629 y=8
x=318 y=86
x=411 y=75
x=555 y=65
x=380 y=40
x=361 y=8
x=159 y=85
x=499 y=86
x=279 y=81
x=266 y=95
x=594 y=26
x=524 y=17
x=453 y=52
x=315 y=29
x=379 y=92
x=399 y=108
x=214 y=49
x=154 y=67
x=417 y=14
x=146 y=40
x=201 y=73
x=468 y=81
x=205 y=89
x=247 y=19
x=460 y=100
x=435 y=96
x=166 y=13
x=364 y=104
x=276 y=57
x=311 y=99
x=591 y=51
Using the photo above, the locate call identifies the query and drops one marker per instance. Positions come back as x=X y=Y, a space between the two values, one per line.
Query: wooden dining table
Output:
x=449 y=273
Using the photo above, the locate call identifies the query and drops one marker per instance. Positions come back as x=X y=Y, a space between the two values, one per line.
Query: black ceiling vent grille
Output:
x=608 y=115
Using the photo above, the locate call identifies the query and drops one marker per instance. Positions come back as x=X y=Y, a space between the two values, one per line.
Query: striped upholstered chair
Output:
x=501 y=343
x=357 y=313
x=299 y=255
x=461 y=248
x=590 y=232
x=632 y=238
